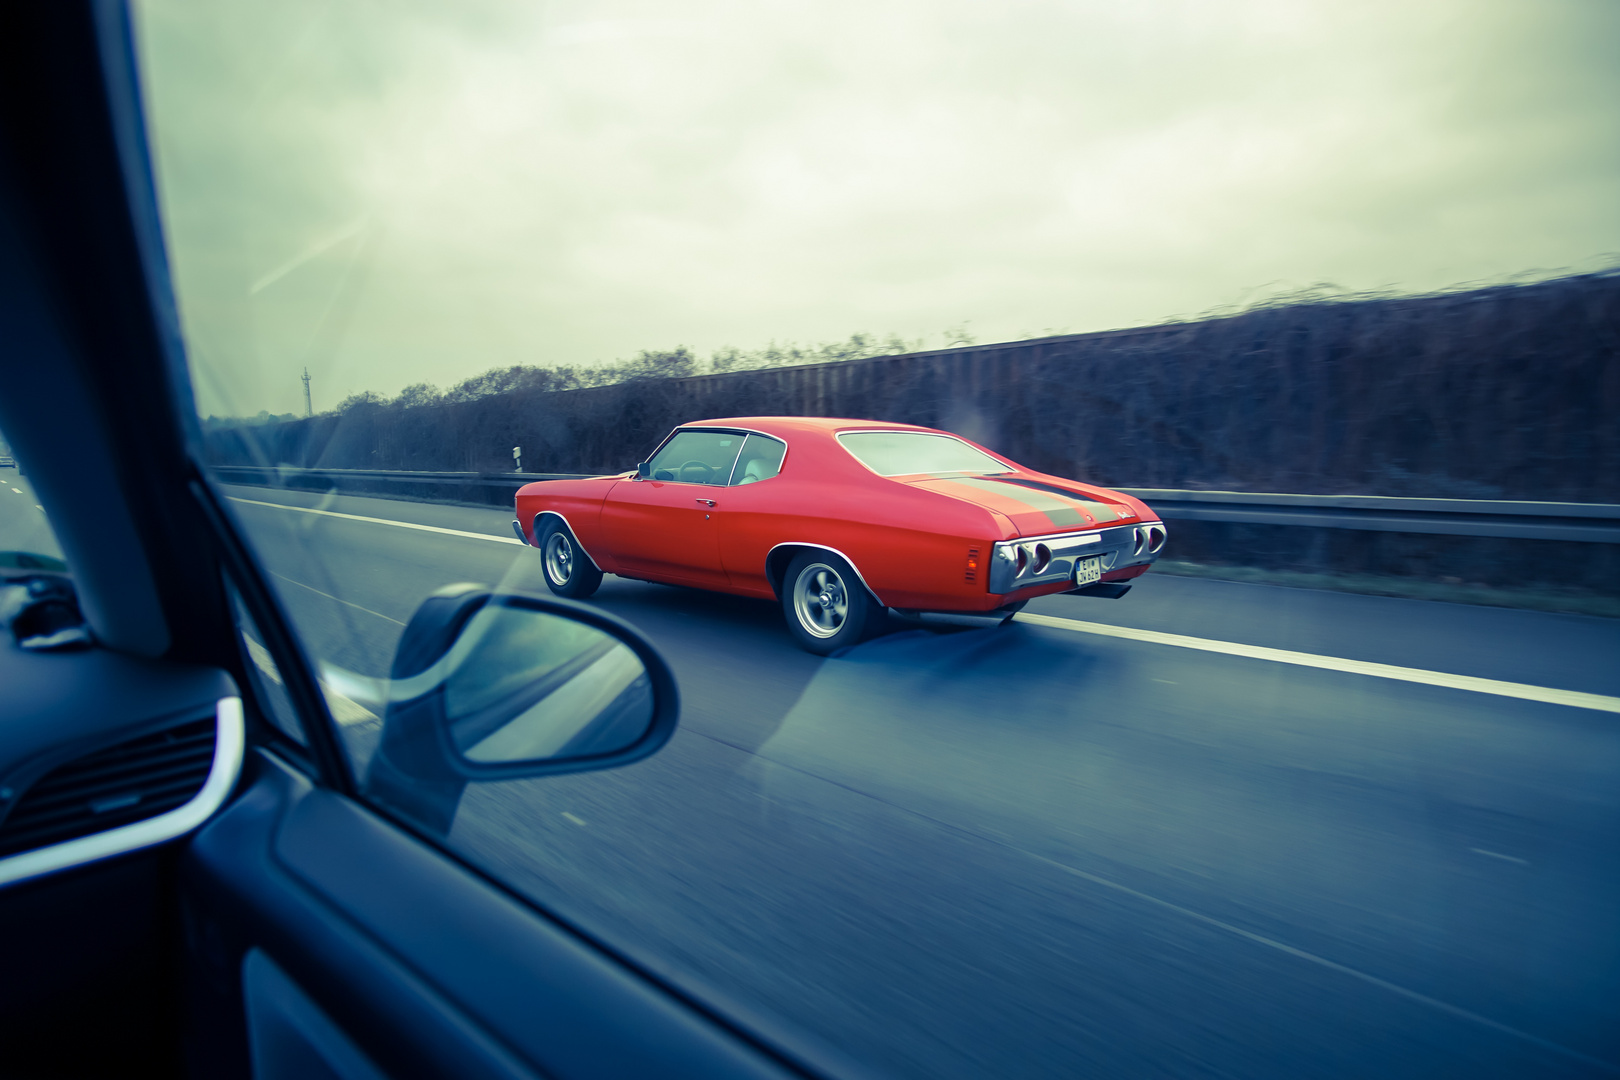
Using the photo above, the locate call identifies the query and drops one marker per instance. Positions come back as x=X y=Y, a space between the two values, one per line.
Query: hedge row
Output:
x=1506 y=392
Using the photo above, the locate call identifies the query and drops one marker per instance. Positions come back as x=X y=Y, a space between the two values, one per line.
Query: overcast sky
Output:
x=392 y=193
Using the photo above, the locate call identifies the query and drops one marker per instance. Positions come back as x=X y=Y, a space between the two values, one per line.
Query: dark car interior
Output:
x=297 y=932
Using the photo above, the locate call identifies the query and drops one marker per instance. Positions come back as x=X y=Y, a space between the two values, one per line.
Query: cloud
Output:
x=574 y=183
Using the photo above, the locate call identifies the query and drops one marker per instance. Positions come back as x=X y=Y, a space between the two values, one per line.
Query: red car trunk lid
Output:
x=1035 y=507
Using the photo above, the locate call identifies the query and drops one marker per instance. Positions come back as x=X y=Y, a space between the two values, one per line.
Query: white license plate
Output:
x=1088 y=571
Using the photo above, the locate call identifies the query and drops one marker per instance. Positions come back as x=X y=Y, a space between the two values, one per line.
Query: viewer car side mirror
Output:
x=501 y=687
x=643 y=470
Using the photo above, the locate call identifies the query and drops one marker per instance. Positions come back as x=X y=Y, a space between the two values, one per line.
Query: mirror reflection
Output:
x=528 y=685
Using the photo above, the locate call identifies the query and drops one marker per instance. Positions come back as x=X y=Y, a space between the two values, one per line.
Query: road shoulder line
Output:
x=1524 y=691
x=1545 y=694
x=380 y=521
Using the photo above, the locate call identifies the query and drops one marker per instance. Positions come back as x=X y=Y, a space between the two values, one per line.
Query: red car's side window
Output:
x=761 y=459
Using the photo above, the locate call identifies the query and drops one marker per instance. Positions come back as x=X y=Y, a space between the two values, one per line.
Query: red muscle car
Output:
x=836 y=520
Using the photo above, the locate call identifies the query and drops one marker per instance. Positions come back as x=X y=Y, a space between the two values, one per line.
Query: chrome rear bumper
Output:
x=1043 y=560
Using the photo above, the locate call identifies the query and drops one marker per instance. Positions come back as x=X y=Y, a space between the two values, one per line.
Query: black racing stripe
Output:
x=1040 y=485
x=1032 y=494
x=1030 y=499
x=1061 y=513
x=1066 y=516
x=1100 y=511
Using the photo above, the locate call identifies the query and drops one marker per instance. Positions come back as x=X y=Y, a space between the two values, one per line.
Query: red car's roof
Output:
x=786 y=425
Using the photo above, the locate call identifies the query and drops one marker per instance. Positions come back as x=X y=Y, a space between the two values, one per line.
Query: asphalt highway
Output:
x=1044 y=851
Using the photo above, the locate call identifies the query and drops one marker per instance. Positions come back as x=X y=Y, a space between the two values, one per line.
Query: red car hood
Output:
x=1036 y=507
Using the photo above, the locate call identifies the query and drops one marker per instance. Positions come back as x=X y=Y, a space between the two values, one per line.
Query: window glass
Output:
x=697 y=457
x=26 y=539
x=38 y=608
x=270 y=686
x=901 y=453
x=761 y=459
x=427 y=254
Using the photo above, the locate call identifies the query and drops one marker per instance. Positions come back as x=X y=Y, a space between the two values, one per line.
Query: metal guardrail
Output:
x=1586 y=522
x=1597 y=523
x=290 y=477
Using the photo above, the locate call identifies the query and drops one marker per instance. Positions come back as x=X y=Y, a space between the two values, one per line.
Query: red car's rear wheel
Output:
x=826 y=605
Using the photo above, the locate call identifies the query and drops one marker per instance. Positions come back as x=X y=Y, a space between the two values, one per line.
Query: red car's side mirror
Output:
x=643 y=470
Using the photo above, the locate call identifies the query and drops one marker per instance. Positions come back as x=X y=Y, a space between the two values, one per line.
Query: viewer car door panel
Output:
x=661 y=529
x=340 y=937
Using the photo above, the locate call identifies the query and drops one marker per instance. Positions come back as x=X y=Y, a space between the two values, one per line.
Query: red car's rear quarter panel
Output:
x=910 y=546
x=912 y=550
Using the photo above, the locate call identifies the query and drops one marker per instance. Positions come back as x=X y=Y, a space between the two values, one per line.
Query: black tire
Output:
x=568 y=570
x=826 y=606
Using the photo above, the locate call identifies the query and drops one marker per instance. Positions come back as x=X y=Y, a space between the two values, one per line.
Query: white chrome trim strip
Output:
x=822 y=547
x=571 y=532
x=229 y=740
x=1090 y=535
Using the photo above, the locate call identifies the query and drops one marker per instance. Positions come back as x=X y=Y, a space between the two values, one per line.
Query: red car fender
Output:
x=578 y=503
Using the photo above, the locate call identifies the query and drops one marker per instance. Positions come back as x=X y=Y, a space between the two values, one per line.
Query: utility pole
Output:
x=308 y=411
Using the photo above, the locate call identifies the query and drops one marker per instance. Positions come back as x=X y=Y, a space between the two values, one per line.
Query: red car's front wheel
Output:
x=826 y=605
x=569 y=571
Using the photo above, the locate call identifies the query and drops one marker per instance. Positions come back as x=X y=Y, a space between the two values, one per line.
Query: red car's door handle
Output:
x=707 y=502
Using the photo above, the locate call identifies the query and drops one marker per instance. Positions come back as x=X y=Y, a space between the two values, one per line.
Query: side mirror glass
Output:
x=643 y=470
x=524 y=687
x=490 y=687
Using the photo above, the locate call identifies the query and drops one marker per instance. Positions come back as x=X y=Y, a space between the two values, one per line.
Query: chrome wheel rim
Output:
x=559 y=559
x=820 y=600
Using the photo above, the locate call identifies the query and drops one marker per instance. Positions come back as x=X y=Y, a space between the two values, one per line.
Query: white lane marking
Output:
x=571 y=817
x=383 y=521
x=344 y=710
x=261 y=660
x=1573 y=698
x=19 y=491
x=1499 y=855
x=339 y=599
